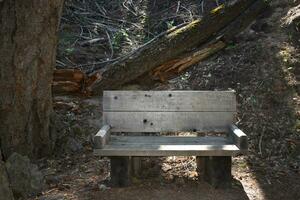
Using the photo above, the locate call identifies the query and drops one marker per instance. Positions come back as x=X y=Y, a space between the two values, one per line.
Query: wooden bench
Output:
x=168 y=111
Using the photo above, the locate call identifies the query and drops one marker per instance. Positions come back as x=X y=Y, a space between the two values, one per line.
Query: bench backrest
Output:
x=157 y=111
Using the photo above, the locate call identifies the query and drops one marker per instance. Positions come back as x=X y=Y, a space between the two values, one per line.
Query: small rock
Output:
x=192 y=174
x=25 y=178
x=166 y=167
x=103 y=187
x=5 y=191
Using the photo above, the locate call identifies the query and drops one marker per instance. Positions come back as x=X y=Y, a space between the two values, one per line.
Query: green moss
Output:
x=217 y=9
x=184 y=29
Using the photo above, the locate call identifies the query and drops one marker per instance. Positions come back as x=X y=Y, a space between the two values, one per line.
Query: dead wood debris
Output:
x=73 y=81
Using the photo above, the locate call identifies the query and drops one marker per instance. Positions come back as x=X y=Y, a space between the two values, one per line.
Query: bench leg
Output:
x=200 y=160
x=136 y=166
x=216 y=170
x=120 y=171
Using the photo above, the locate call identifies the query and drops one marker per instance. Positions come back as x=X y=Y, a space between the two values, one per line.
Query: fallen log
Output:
x=179 y=48
x=175 y=67
x=221 y=40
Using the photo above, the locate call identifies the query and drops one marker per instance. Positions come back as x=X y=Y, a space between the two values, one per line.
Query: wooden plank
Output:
x=167 y=150
x=201 y=101
x=102 y=137
x=167 y=145
x=238 y=137
x=136 y=166
x=168 y=121
x=200 y=161
x=168 y=140
x=217 y=171
x=120 y=171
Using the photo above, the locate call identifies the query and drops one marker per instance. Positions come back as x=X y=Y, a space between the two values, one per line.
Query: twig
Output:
x=191 y=14
x=70 y=61
x=100 y=10
x=110 y=44
x=81 y=32
x=178 y=7
x=202 y=6
x=128 y=8
x=61 y=63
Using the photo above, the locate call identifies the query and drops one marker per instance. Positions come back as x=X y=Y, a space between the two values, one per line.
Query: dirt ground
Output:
x=261 y=65
x=80 y=175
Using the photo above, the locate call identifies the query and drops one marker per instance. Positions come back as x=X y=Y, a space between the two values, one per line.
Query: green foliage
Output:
x=231 y=46
x=170 y=24
x=69 y=50
x=119 y=37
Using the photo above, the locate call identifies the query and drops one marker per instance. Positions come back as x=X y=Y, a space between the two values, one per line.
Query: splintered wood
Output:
x=175 y=67
x=73 y=81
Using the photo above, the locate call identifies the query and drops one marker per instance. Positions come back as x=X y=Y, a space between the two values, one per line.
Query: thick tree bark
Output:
x=27 y=49
x=207 y=35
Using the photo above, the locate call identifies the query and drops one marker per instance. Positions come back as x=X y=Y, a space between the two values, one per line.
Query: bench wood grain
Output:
x=166 y=101
x=238 y=137
x=167 y=146
x=168 y=121
x=102 y=137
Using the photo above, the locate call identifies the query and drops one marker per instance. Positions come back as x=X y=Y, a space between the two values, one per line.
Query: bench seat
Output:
x=168 y=146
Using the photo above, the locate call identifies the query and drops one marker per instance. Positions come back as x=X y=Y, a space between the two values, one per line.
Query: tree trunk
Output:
x=28 y=42
x=208 y=34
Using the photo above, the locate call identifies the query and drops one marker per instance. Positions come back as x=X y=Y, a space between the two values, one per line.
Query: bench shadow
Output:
x=154 y=183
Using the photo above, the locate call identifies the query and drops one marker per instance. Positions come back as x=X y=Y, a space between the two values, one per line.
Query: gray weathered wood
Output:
x=136 y=167
x=167 y=146
x=168 y=140
x=168 y=121
x=120 y=173
x=238 y=137
x=102 y=137
x=217 y=171
x=169 y=101
x=200 y=161
x=168 y=150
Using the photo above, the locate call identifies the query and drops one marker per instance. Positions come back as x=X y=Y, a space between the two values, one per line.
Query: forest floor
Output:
x=261 y=65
